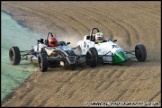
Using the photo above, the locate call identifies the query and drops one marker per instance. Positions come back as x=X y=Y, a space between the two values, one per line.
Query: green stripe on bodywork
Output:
x=119 y=57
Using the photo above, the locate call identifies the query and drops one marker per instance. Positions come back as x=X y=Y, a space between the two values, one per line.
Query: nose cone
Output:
x=119 y=57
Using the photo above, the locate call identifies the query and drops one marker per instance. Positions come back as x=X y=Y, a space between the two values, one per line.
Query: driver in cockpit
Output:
x=52 y=42
x=99 y=37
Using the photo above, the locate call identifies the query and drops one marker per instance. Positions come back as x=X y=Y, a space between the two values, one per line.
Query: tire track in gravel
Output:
x=45 y=16
x=67 y=80
x=128 y=27
x=29 y=87
x=62 y=17
x=134 y=34
x=92 y=77
x=146 y=16
x=85 y=12
x=128 y=87
x=74 y=20
x=120 y=95
x=69 y=93
x=115 y=80
x=148 y=13
x=106 y=87
x=92 y=18
x=66 y=19
x=127 y=31
x=151 y=41
x=133 y=86
x=52 y=83
x=70 y=86
x=42 y=98
x=74 y=79
x=73 y=75
x=104 y=80
x=43 y=91
x=104 y=17
x=102 y=87
x=150 y=37
x=30 y=91
x=42 y=15
x=157 y=94
x=78 y=85
x=28 y=97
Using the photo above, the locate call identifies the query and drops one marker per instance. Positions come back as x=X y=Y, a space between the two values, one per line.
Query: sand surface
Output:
x=128 y=22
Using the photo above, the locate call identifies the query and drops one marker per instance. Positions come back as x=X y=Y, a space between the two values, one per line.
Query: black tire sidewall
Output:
x=93 y=57
x=142 y=52
x=43 y=59
x=14 y=55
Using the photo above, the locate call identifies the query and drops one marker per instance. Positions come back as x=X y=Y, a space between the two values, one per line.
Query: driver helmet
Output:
x=99 y=37
x=53 y=42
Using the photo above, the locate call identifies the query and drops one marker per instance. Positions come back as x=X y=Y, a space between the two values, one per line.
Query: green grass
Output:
x=14 y=35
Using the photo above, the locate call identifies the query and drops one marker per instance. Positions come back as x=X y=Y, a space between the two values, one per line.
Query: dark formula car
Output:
x=62 y=55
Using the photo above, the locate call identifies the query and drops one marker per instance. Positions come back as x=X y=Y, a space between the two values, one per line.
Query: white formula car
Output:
x=107 y=51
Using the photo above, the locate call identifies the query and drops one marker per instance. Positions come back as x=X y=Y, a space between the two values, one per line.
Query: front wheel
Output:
x=92 y=57
x=140 y=52
x=14 y=55
x=43 y=62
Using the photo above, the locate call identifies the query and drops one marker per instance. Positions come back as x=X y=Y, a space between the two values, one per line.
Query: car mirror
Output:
x=68 y=43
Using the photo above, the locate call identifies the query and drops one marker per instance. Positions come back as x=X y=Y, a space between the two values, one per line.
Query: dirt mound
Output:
x=128 y=22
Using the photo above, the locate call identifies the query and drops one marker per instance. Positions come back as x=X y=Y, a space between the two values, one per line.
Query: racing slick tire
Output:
x=140 y=52
x=92 y=57
x=43 y=62
x=14 y=55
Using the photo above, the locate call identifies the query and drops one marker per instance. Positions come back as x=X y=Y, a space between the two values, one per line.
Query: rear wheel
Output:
x=140 y=52
x=43 y=62
x=92 y=57
x=14 y=55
